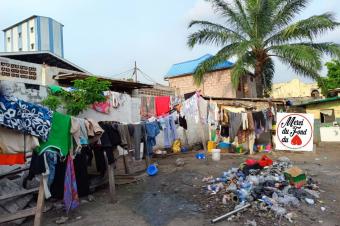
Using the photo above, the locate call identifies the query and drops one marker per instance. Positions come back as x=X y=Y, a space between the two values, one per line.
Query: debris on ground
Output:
x=251 y=223
x=273 y=187
x=61 y=220
x=179 y=162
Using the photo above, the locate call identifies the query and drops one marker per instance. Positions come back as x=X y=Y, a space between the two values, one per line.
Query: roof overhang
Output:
x=43 y=57
x=116 y=84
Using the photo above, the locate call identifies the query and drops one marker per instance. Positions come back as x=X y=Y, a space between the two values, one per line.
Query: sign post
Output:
x=294 y=132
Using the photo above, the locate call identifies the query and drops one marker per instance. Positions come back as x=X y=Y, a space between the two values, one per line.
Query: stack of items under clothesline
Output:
x=239 y=128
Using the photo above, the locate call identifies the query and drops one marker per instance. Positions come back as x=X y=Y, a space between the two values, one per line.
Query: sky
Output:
x=106 y=37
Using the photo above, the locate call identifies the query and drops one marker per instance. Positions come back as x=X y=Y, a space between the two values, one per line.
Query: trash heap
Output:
x=270 y=186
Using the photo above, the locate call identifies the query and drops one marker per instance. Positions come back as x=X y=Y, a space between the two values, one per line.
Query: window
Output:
x=32 y=45
x=32 y=29
x=19 y=34
x=32 y=86
x=8 y=39
x=327 y=116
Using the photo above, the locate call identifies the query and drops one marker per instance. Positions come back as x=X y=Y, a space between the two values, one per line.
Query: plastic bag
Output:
x=176 y=146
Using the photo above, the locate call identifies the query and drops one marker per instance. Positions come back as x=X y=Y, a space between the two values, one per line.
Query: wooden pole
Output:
x=112 y=185
x=40 y=204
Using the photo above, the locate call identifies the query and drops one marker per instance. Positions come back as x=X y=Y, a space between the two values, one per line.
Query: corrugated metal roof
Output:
x=189 y=67
x=320 y=101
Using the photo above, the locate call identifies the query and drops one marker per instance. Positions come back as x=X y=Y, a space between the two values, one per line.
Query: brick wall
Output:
x=156 y=92
x=216 y=84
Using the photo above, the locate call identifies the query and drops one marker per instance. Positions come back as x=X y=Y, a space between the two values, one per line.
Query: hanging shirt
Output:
x=162 y=105
x=152 y=130
x=26 y=117
x=60 y=136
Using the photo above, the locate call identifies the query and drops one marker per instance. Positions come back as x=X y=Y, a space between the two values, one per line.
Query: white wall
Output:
x=8 y=44
x=24 y=33
x=129 y=112
x=15 y=39
x=19 y=90
x=32 y=35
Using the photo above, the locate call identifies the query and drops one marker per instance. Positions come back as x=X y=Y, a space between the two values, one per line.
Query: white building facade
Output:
x=36 y=33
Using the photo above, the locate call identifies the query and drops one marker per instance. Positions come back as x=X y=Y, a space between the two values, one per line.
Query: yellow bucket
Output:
x=211 y=145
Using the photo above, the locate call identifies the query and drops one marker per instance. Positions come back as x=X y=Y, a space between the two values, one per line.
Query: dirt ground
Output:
x=174 y=197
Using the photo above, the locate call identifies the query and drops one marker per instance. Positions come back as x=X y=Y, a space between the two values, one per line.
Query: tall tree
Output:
x=332 y=81
x=255 y=31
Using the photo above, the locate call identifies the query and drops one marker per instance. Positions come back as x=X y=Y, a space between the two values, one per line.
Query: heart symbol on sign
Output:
x=296 y=140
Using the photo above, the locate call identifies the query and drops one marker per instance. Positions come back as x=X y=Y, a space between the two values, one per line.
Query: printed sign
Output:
x=294 y=132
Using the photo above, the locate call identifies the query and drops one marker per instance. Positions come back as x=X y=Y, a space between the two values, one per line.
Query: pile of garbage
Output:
x=271 y=186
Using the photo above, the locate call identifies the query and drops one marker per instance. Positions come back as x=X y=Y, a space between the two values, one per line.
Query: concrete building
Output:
x=216 y=83
x=36 y=33
x=36 y=68
x=326 y=114
x=295 y=89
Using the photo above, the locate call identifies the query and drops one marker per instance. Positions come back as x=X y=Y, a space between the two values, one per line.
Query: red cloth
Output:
x=265 y=161
x=162 y=105
x=251 y=162
x=12 y=159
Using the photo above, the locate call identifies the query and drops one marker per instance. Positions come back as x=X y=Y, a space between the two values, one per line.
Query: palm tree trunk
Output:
x=259 y=79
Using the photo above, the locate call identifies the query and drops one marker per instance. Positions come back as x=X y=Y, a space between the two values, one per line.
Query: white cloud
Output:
x=201 y=10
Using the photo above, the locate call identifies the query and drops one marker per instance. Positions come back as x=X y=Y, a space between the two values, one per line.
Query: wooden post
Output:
x=40 y=204
x=112 y=185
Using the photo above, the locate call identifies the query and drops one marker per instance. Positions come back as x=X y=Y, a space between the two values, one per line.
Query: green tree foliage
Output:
x=87 y=91
x=255 y=31
x=332 y=80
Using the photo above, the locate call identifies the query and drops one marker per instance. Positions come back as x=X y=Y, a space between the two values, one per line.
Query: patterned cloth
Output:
x=71 y=199
x=147 y=107
x=25 y=117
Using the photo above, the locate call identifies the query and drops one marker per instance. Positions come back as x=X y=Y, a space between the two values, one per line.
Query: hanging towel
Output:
x=162 y=105
x=60 y=136
x=245 y=122
x=235 y=121
x=71 y=199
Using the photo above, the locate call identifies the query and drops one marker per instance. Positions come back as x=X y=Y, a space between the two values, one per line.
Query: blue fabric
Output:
x=170 y=133
x=52 y=159
x=26 y=117
x=152 y=130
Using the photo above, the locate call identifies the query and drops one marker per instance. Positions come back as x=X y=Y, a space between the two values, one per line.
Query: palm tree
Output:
x=255 y=31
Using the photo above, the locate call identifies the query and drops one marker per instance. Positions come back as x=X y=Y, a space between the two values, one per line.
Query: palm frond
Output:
x=222 y=55
x=208 y=36
x=234 y=18
x=286 y=11
x=301 y=69
x=305 y=55
x=305 y=29
x=329 y=48
x=212 y=33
